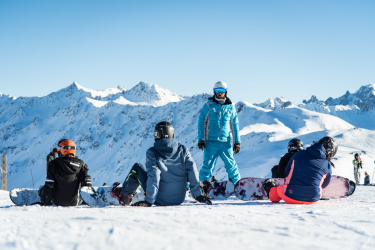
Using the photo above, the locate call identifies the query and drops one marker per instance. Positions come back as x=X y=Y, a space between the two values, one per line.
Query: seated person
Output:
x=294 y=146
x=307 y=173
x=65 y=176
x=367 y=179
x=169 y=166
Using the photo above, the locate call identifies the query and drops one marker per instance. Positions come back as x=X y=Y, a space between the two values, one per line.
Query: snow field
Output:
x=232 y=224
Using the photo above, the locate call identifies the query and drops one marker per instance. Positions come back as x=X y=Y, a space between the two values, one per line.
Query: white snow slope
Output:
x=347 y=223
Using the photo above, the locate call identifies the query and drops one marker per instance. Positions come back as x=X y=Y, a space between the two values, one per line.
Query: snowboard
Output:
x=99 y=196
x=221 y=190
x=24 y=196
x=248 y=189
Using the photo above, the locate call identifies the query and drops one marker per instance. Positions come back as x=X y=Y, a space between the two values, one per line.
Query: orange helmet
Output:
x=67 y=147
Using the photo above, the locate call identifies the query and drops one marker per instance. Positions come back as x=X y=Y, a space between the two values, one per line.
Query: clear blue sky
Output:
x=261 y=49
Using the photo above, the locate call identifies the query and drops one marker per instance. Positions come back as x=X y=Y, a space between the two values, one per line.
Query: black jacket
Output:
x=278 y=171
x=64 y=178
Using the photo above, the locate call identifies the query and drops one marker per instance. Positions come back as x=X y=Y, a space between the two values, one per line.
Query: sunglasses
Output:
x=220 y=90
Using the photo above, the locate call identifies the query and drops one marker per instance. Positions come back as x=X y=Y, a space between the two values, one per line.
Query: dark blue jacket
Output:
x=169 y=167
x=308 y=171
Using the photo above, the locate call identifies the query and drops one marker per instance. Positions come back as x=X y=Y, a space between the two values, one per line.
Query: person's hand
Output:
x=201 y=145
x=236 y=148
x=142 y=204
x=203 y=199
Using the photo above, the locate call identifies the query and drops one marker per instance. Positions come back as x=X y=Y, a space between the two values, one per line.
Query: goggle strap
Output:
x=67 y=147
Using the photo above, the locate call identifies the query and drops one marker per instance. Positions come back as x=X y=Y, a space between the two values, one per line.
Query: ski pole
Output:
x=373 y=173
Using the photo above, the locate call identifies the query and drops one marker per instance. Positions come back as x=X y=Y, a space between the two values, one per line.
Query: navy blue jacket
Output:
x=308 y=171
x=169 y=167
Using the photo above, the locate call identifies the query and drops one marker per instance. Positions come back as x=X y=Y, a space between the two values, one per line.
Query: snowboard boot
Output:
x=205 y=186
x=125 y=200
x=268 y=184
x=214 y=180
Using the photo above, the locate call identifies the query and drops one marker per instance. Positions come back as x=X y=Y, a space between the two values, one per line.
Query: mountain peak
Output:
x=153 y=94
x=275 y=103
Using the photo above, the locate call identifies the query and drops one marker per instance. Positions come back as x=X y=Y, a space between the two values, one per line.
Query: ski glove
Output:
x=236 y=148
x=142 y=204
x=203 y=199
x=201 y=145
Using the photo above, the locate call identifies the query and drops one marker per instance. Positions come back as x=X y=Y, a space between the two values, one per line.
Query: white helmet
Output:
x=221 y=84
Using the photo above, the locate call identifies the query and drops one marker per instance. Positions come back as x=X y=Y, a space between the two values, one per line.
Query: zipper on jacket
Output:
x=221 y=119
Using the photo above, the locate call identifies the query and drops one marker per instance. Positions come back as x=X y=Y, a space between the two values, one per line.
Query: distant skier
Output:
x=51 y=156
x=307 y=173
x=367 y=179
x=217 y=119
x=169 y=166
x=358 y=165
x=65 y=175
x=294 y=146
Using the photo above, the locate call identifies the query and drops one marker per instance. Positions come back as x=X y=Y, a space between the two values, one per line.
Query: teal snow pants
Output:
x=212 y=151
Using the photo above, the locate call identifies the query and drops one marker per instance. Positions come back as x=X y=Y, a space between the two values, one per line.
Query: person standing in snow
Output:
x=51 y=156
x=307 y=173
x=217 y=119
x=169 y=166
x=294 y=146
x=65 y=175
x=358 y=165
x=367 y=179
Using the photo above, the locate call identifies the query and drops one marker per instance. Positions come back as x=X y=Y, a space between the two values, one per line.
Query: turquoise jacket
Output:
x=217 y=121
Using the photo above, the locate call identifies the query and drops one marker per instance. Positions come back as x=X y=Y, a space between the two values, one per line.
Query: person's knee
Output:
x=273 y=195
x=139 y=166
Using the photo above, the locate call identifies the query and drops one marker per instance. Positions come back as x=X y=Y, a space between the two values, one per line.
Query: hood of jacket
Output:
x=166 y=147
x=317 y=150
x=227 y=100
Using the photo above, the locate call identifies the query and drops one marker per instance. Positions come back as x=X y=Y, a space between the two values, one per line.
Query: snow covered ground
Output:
x=232 y=224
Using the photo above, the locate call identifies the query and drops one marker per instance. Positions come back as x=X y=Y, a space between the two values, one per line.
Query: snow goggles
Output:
x=220 y=90
x=67 y=147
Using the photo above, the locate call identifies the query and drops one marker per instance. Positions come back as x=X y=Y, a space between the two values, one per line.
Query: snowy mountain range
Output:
x=357 y=108
x=113 y=128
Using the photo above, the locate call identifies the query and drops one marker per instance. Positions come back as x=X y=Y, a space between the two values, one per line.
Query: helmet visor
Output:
x=220 y=90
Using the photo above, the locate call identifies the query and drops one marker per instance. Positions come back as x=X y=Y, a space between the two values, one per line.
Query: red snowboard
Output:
x=248 y=189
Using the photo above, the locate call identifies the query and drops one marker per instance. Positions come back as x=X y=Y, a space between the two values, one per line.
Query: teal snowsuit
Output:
x=215 y=124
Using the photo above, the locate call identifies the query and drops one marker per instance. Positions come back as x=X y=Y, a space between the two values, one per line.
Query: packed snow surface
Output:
x=347 y=223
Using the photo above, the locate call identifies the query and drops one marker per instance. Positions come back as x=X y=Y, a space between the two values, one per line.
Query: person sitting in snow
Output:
x=51 y=156
x=65 y=175
x=294 y=146
x=307 y=173
x=367 y=179
x=217 y=119
x=169 y=166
